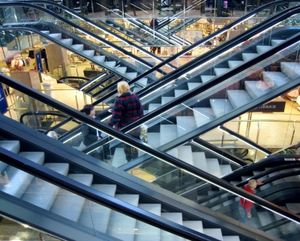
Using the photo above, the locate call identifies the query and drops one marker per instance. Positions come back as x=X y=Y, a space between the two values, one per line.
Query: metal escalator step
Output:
x=67 y=41
x=78 y=47
x=12 y=146
x=203 y=115
x=66 y=201
x=42 y=193
x=100 y=58
x=89 y=53
x=185 y=124
x=214 y=167
x=55 y=35
x=238 y=98
x=122 y=224
x=167 y=133
x=263 y=48
x=249 y=56
x=290 y=69
x=275 y=78
x=185 y=153
x=148 y=232
x=220 y=71
x=195 y=225
x=18 y=181
x=256 y=88
x=213 y=232
x=235 y=63
x=94 y=215
x=200 y=161
x=220 y=107
x=174 y=217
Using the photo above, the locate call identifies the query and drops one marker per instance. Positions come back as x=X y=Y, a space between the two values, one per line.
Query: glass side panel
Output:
x=14 y=230
x=234 y=145
x=90 y=218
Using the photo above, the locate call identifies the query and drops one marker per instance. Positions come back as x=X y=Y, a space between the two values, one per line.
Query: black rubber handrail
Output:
x=108 y=43
x=82 y=190
x=246 y=140
x=219 y=151
x=41 y=113
x=145 y=148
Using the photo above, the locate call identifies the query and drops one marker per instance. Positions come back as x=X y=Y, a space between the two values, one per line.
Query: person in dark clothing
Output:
x=154 y=24
x=90 y=134
x=127 y=109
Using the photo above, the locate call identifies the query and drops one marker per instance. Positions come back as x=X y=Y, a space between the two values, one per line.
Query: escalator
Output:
x=74 y=38
x=74 y=178
x=142 y=79
x=141 y=146
x=210 y=105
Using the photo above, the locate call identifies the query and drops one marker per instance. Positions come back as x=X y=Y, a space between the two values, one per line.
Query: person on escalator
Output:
x=127 y=109
x=246 y=206
x=90 y=134
x=154 y=24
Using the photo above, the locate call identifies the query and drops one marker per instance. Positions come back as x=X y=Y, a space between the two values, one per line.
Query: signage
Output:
x=38 y=60
x=3 y=102
x=273 y=106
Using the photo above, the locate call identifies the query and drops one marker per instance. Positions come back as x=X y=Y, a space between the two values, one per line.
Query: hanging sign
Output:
x=3 y=102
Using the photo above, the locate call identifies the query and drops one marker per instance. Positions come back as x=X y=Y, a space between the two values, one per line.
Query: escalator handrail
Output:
x=219 y=151
x=203 y=58
x=89 y=21
x=145 y=148
x=30 y=113
x=122 y=50
x=280 y=162
x=246 y=140
x=82 y=190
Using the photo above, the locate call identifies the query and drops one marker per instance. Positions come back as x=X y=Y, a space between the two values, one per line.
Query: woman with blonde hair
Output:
x=127 y=109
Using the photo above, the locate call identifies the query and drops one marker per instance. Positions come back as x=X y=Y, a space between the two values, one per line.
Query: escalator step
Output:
x=263 y=48
x=256 y=88
x=195 y=225
x=275 y=78
x=96 y=216
x=220 y=107
x=185 y=124
x=203 y=115
x=235 y=63
x=42 y=193
x=148 y=232
x=66 y=201
x=291 y=69
x=174 y=217
x=249 y=56
x=18 y=181
x=12 y=146
x=200 y=161
x=213 y=232
x=238 y=98
x=120 y=224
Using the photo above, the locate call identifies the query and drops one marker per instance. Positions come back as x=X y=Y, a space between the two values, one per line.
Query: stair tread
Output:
x=120 y=224
x=19 y=180
x=220 y=107
x=185 y=124
x=167 y=133
x=257 y=88
x=203 y=115
x=42 y=193
x=94 y=215
x=185 y=153
x=238 y=98
x=66 y=201
x=276 y=78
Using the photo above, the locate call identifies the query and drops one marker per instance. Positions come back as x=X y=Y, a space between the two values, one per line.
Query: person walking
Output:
x=127 y=109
